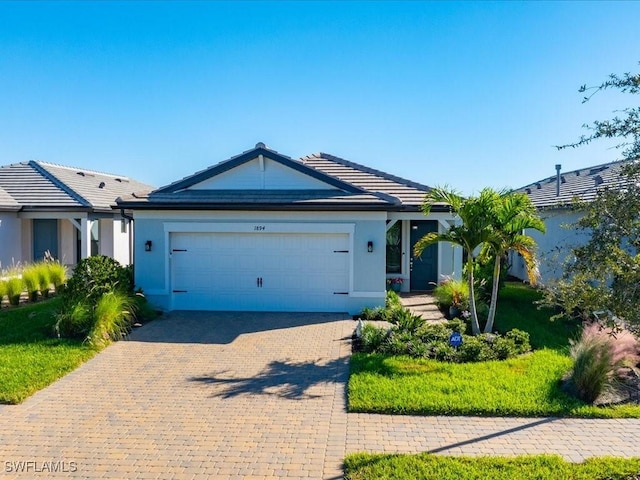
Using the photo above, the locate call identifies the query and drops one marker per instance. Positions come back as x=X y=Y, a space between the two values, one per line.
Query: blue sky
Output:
x=468 y=94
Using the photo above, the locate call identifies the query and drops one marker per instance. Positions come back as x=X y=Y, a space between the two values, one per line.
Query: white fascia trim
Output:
x=439 y=216
x=52 y=215
x=253 y=216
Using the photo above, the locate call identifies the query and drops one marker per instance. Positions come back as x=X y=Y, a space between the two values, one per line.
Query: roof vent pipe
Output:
x=558 y=167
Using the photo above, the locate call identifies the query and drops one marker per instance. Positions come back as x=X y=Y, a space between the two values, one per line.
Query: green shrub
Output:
x=372 y=337
x=407 y=321
x=31 y=283
x=452 y=293
x=3 y=289
x=598 y=355
x=457 y=325
x=377 y=313
x=388 y=313
x=74 y=322
x=478 y=348
x=113 y=317
x=143 y=310
x=392 y=300
x=96 y=276
x=15 y=287
x=57 y=274
x=417 y=339
x=44 y=277
x=592 y=367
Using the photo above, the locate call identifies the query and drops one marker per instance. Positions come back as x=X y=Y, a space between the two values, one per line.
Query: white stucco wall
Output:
x=10 y=239
x=554 y=246
x=121 y=244
x=368 y=289
x=105 y=231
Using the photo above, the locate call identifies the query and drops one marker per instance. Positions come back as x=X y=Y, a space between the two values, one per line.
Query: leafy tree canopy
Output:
x=604 y=275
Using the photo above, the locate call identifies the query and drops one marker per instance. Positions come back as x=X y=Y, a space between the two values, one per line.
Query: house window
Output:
x=394 y=248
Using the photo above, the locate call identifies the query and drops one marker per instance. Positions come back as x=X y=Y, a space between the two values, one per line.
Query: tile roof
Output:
x=355 y=186
x=408 y=192
x=7 y=202
x=37 y=184
x=579 y=185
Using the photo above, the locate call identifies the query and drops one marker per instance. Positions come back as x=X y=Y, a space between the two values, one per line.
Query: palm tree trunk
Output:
x=475 y=325
x=494 y=295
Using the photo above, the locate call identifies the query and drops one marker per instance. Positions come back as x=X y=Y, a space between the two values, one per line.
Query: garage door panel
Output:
x=221 y=271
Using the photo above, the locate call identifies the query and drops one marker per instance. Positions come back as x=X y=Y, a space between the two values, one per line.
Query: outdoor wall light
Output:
x=147 y=246
x=369 y=246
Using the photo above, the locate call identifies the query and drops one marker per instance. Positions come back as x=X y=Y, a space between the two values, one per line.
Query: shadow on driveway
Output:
x=223 y=327
x=284 y=379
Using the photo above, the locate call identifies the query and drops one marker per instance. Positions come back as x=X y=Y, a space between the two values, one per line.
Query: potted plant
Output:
x=395 y=284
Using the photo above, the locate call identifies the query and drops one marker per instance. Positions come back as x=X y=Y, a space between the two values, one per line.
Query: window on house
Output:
x=394 y=248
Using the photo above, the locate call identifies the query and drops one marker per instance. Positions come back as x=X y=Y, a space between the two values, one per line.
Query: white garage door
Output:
x=260 y=272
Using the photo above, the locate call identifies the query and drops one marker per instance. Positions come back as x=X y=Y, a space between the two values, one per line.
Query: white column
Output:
x=85 y=238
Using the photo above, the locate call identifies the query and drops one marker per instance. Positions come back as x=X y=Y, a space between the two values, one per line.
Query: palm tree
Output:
x=513 y=213
x=476 y=227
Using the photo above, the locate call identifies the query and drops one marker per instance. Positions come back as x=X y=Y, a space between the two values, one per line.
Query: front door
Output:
x=45 y=238
x=424 y=269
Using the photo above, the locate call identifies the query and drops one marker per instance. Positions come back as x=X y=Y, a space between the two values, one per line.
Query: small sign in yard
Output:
x=455 y=340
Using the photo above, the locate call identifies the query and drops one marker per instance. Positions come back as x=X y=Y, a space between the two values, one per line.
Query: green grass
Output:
x=525 y=386
x=30 y=359
x=517 y=310
x=363 y=466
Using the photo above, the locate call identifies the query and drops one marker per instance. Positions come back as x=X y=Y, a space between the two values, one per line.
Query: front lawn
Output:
x=363 y=466
x=30 y=358
x=525 y=386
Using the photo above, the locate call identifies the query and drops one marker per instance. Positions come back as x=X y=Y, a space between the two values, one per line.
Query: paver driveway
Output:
x=242 y=396
x=207 y=395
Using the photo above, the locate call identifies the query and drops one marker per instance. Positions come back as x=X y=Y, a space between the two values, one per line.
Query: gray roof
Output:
x=581 y=185
x=410 y=193
x=7 y=202
x=40 y=185
x=355 y=187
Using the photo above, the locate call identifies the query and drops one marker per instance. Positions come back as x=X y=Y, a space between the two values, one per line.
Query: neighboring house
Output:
x=65 y=211
x=555 y=198
x=262 y=231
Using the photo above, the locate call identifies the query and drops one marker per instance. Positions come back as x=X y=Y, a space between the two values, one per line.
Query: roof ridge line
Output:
x=43 y=164
x=568 y=172
x=373 y=171
x=59 y=183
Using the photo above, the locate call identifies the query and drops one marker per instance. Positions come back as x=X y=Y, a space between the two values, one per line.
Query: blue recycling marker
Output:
x=455 y=340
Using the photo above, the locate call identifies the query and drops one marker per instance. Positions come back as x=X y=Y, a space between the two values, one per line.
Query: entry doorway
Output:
x=423 y=269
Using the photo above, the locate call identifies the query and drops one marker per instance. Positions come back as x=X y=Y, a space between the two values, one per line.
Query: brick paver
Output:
x=252 y=396
x=194 y=395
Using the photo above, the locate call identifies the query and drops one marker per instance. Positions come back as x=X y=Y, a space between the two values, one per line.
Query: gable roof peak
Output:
x=251 y=154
